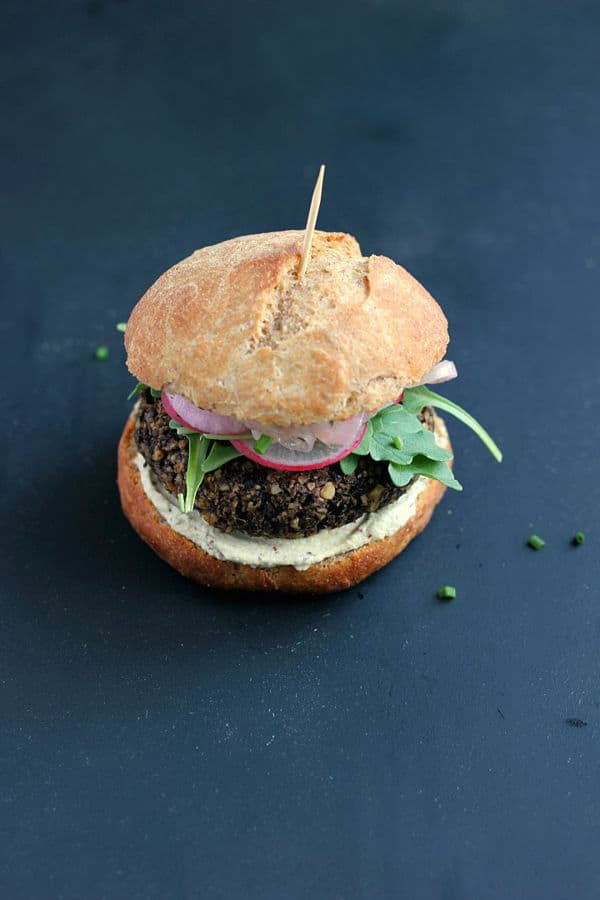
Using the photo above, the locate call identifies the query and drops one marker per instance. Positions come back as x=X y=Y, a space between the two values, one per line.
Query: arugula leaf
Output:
x=197 y=449
x=220 y=453
x=395 y=419
x=181 y=429
x=349 y=463
x=397 y=436
x=416 y=398
x=364 y=447
x=140 y=386
x=420 y=465
x=205 y=454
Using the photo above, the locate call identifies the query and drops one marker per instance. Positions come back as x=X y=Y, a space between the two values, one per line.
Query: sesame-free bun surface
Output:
x=333 y=574
x=233 y=329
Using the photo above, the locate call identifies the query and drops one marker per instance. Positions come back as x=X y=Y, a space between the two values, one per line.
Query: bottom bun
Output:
x=332 y=574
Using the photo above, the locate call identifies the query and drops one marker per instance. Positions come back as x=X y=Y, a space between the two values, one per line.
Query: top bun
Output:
x=233 y=329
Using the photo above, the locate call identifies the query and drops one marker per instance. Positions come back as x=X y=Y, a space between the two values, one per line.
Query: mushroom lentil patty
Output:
x=245 y=496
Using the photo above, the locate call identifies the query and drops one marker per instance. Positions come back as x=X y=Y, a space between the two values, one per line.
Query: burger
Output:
x=283 y=437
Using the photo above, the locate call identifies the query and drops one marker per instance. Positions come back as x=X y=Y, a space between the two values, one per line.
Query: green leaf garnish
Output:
x=220 y=453
x=138 y=389
x=416 y=398
x=140 y=386
x=349 y=463
x=206 y=452
x=197 y=450
x=420 y=465
x=398 y=437
x=181 y=430
x=227 y=437
x=365 y=445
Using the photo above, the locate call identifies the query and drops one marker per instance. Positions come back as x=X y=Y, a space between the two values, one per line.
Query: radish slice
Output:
x=184 y=412
x=279 y=457
x=442 y=371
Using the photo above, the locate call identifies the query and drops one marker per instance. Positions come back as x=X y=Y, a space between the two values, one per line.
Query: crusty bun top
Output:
x=233 y=329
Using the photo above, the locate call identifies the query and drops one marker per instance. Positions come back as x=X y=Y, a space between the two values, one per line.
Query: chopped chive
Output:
x=101 y=353
x=398 y=443
x=579 y=537
x=121 y=326
x=262 y=443
x=447 y=592
x=155 y=393
x=535 y=542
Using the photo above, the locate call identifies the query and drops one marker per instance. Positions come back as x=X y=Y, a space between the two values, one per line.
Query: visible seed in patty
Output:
x=327 y=492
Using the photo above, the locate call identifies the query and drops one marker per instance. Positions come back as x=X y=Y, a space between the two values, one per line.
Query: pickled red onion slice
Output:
x=279 y=457
x=302 y=437
x=338 y=434
x=442 y=371
x=298 y=437
x=186 y=413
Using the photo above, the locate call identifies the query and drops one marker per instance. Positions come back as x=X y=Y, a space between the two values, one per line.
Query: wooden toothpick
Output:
x=311 y=222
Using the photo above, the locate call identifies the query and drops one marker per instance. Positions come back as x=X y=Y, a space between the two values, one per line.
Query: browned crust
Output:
x=334 y=574
x=232 y=329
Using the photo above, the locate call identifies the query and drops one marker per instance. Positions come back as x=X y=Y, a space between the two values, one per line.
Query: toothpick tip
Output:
x=311 y=221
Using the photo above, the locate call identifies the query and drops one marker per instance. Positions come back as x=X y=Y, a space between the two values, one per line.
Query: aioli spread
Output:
x=263 y=552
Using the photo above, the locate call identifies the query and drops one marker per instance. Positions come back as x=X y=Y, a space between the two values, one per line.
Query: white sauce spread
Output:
x=265 y=552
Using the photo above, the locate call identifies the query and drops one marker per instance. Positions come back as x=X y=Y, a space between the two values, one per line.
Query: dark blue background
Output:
x=161 y=741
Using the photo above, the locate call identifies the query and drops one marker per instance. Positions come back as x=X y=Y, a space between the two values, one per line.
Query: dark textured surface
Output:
x=160 y=742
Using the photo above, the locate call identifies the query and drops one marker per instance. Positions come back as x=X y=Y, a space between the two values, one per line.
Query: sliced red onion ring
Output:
x=442 y=371
x=302 y=438
x=184 y=412
x=299 y=438
x=278 y=457
x=338 y=434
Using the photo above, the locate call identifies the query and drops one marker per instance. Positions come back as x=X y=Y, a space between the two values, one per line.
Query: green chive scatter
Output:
x=579 y=537
x=536 y=542
x=447 y=592
x=101 y=353
x=121 y=326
